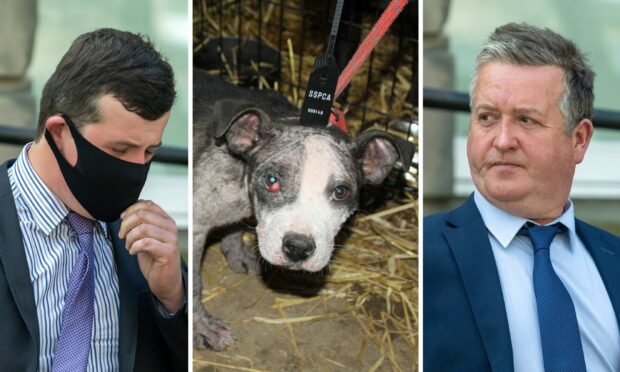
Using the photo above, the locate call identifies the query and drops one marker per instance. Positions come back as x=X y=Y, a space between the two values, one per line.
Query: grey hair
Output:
x=523 y=44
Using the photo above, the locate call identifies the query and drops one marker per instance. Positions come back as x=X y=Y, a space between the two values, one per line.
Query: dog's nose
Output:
x=297 y=247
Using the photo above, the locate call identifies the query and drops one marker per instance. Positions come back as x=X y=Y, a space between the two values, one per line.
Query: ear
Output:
x=582 y=134
x=61 y=135
x=378 y=151
x=54 y=125
x=240 y=123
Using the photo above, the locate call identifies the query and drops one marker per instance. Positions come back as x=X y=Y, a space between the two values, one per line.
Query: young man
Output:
x=512 y=281
x=90 y=276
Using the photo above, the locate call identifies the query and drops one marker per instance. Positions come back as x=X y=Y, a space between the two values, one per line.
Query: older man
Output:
x=512 y=281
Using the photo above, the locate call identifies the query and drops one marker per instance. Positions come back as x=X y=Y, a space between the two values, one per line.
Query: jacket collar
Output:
x=473 y=254
x=605 y=251
x=13 y=257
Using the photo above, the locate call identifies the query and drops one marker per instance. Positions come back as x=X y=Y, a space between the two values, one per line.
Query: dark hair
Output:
x=523 y=44
x=108 y=61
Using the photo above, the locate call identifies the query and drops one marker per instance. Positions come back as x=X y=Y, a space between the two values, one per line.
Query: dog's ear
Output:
x=378 y=151
x=240 y=123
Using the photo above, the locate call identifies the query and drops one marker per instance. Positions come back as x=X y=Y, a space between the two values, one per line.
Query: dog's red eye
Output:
x=272 y=183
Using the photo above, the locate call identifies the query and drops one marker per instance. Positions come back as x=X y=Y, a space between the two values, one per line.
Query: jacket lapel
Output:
x=128 y=297
x=474 y=256
x=605 y=251
x=13 y=258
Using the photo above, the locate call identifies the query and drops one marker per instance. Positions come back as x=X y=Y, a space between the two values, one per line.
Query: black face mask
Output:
x=103 y=184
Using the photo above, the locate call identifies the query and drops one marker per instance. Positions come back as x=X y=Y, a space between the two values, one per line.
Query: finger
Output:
x=144 y=216
x=150 y=231
x=152 y=248
x=145 y=204
x=145 y=245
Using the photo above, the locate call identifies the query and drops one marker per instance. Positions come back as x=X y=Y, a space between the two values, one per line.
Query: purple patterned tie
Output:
x=73 y=345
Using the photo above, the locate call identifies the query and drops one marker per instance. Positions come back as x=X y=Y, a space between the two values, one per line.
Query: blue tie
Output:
x=73 y=345
x=559 y=331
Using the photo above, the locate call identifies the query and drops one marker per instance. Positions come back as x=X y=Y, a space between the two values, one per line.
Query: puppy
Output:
x=252 y=158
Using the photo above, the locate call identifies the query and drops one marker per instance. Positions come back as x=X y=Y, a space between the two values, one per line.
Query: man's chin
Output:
x=503 y=192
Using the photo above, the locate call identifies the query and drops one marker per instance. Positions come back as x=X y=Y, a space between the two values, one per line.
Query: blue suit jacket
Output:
x=148 y=342
x=465 y=322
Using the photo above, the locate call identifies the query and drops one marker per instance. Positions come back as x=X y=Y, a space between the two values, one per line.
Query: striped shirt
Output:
x=52 y=249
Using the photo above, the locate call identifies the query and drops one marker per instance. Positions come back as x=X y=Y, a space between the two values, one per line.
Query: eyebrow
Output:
x=485 y=106
x=524 y=110
x=133 y=145
x=527 y=111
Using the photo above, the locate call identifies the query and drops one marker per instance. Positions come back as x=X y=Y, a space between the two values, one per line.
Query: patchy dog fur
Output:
x=251 y=157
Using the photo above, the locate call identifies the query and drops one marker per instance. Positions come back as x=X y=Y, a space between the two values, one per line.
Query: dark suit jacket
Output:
x=148 y=342
x=465 y=321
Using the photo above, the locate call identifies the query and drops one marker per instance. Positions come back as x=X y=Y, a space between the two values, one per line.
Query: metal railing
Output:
x=21 y=136
x=458 y=101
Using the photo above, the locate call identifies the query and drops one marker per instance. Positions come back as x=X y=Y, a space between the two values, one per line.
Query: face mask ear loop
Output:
x=54 y=148
x=74 y=131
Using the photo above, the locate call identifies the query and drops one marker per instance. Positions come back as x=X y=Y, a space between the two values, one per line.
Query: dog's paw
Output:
x=242 y=261
x=240 y=258
x=212 y=333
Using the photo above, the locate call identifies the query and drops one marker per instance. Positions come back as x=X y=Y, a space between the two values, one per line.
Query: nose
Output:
x=505 y=139
x=297 y=247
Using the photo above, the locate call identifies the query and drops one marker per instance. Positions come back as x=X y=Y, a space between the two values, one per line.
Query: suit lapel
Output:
x=474 y=256
x=13 y=258
x=128 y=297
x=605 y=252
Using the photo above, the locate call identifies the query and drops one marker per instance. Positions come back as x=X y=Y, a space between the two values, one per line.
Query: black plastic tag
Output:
x=319 y=97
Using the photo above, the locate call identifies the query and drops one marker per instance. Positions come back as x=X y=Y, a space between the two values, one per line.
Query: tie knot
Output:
x=541 y=236
x=81 y=225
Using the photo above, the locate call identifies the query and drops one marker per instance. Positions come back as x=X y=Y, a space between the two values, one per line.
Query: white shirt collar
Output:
x=46 y=208
x=504 y=226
